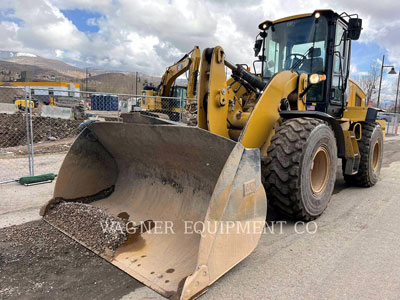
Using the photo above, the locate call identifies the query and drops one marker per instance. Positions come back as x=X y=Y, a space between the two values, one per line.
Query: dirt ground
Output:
x=38 y=262
x=57 y=146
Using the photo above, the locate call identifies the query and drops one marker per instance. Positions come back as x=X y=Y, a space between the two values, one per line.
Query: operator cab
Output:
x=178 y=91
x=317 y=43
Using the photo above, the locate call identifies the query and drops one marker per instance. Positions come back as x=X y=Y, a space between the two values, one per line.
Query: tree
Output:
x=369 y=81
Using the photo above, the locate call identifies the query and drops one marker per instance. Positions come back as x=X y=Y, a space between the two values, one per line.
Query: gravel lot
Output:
x=353 y=254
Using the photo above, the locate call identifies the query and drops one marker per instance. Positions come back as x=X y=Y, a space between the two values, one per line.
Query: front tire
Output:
x=299 y=171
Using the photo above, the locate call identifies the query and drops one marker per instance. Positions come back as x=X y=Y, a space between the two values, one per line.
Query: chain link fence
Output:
x=392 y=122
x=15 y=133
x=38 y=121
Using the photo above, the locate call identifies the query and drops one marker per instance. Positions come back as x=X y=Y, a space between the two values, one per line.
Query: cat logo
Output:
x=249 y=187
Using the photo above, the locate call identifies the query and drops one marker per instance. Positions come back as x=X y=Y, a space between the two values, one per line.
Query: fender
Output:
x=260 y=126
x=372 y=114
x=337 y=129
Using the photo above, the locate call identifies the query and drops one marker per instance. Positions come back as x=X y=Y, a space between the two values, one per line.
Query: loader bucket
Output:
x=158 y=173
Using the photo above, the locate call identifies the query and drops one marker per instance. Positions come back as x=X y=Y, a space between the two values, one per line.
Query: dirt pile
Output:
x=39 y=262
x=99 y=231
x=13 y=129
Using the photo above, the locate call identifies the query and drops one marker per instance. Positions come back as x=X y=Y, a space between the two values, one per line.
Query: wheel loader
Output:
x=275 y=135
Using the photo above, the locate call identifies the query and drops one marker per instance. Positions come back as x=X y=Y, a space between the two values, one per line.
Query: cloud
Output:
x=381 y=24
x=9 y=31
x=147 y=36
x=92 y=22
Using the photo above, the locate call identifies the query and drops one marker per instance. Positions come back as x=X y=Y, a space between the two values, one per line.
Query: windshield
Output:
x=299 y=45
x=178 y=91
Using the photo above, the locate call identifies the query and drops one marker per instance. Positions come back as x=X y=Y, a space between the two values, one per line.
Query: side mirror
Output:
x=354 y=28
x=257 y=47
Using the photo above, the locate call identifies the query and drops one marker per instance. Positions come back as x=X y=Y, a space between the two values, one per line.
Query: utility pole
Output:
x=136 y=77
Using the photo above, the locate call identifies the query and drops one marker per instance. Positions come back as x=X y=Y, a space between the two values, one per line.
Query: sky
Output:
x=147 y=36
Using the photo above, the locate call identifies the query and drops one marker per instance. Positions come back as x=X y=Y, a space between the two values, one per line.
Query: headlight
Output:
x=315 y=78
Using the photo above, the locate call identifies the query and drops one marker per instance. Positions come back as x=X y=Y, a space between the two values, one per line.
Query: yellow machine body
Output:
x=21 y=103
x=236 y=114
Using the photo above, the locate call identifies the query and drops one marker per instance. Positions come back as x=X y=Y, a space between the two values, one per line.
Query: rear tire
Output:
x=371 y=151
x=299 y=171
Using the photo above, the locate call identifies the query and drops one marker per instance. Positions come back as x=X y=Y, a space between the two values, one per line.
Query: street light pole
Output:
x=380 y=82
x=397 y=93
x=392 y=71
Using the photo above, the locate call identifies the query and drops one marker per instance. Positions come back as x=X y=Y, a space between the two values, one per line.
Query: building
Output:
x=65 y=89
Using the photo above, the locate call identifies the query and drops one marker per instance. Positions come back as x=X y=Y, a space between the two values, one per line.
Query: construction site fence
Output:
x=36 y=121
x=392 y=122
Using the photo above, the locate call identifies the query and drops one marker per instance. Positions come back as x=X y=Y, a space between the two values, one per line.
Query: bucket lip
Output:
x=176 y=125
x=161 y=120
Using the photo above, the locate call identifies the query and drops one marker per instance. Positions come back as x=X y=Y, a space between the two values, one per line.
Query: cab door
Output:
x=340 y=69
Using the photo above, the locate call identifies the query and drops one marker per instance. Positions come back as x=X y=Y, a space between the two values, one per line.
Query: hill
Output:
x=50 y=64
x=100 y=80
x=10 y=71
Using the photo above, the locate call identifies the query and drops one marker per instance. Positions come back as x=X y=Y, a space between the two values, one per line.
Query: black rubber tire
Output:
x=366 y=176
x=286 y=169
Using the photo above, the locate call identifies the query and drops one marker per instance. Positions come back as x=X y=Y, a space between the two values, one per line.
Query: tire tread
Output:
x=362 y=178
x=281 y=167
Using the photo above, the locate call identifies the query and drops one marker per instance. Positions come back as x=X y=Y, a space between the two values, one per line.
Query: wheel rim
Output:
x=319 y=172
x=376 y=153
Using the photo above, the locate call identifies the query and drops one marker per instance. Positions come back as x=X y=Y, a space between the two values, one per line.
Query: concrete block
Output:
x=57 y=112
x=8 y=108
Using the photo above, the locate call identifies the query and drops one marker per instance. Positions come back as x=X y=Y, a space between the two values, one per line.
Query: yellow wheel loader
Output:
x=275 y=134
x=157 y=99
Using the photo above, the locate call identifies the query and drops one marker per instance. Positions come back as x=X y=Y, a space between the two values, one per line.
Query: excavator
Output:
x=156 y=99
x=274 y=135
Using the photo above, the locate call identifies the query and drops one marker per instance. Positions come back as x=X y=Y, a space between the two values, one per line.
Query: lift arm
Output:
x=190 y=61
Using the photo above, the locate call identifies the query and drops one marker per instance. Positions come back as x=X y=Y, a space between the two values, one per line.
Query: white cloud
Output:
x=381 y=23
x=147 y=36
x=8 y=41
